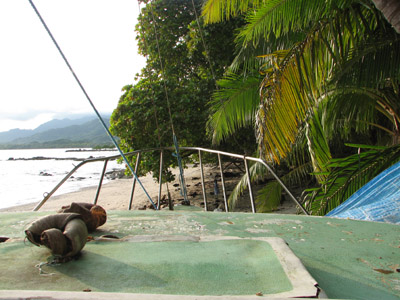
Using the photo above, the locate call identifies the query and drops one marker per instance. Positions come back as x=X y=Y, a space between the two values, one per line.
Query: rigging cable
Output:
x=91 y=103
x=175 y=140
x=152 y=97
x=211 y=65
x=151 y=83
x=204 y=45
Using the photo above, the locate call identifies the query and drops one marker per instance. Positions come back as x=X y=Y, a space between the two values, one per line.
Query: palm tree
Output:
x=391 y=10
x=341 y=51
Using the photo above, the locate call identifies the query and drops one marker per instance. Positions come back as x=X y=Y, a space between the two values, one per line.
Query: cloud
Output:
x=25 y=122
x=99 y=44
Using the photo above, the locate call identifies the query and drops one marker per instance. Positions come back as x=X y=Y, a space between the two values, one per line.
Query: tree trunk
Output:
x=391 y=10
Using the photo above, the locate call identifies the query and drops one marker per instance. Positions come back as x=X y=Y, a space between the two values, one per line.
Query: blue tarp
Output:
x=378 y=200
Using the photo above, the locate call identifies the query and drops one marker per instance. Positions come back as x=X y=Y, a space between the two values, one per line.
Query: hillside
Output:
x=83 y=132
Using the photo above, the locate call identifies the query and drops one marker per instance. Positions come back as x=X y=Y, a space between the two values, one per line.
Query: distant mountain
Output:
x=13 y=134
x=54 y=124
x=83 y=132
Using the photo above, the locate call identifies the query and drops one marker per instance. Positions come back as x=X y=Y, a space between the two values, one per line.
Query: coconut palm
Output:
x=347 y=53
x=391 y=10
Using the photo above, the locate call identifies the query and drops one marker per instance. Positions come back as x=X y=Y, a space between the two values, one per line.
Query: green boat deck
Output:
x=194 y=255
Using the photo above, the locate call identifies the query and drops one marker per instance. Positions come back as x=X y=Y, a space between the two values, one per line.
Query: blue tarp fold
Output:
x=378 y=200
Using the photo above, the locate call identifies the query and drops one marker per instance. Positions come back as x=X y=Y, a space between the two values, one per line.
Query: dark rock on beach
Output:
x=48 y=158
x=45 y=174
x=116 y=174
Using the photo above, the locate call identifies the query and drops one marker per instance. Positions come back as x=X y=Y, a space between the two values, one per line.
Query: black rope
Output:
x=90 y=101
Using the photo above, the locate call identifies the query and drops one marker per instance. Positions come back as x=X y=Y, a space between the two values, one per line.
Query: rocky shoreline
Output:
x=50 y=158
x=91 y=150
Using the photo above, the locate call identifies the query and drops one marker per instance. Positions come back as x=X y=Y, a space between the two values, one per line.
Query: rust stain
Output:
x=383 y=271
x=378 y=240
x=364 y=261
x=347 y=232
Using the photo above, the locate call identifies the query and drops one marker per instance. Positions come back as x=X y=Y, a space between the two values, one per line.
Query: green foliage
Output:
x=234 y=105
x=294 y=14
x=173 y=89
x=318 y=147
x=257 y=172
x=348 y=175
x=338 y=79
x=305 y=75
x=269 y=197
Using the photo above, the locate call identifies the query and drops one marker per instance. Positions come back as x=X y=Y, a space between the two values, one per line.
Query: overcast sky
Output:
x=96 y=36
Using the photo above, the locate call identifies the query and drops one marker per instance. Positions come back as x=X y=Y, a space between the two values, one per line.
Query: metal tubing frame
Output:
x=100 y=182
x=134 y=181
x=48 y=195
x=89 y=100
x=253 y=207
x=223 y=182
x=160 y=178
x=203 y=186
x=199 y=149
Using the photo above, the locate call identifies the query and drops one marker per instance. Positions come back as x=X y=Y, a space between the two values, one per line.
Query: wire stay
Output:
x=91 y=103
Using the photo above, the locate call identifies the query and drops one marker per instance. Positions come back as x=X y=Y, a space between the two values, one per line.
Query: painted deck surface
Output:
x=349 y=259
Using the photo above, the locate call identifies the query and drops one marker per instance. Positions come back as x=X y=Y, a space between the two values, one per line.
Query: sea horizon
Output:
x=24 y=178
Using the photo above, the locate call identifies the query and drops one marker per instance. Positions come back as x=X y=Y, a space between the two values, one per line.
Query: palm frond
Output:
x=351 y=110
x=234 y=105
x=318 y=146
x=371 y=63
x=350 y=174
x=302 y=78
x=257 y=172
x=284 y=104
x=219 y=10
x=293 y=16
x=269 y=197
x=249 y=56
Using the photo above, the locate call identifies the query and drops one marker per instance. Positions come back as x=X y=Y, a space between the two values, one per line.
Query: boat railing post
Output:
x=160 y=178
x=253 y=208
x=202 y=181
x=284 y=187
x=100 y=182
x=223 y=182
x=134 y=180
x=48 y=195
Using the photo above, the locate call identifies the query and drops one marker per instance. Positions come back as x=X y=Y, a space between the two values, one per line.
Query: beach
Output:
x=115 y=195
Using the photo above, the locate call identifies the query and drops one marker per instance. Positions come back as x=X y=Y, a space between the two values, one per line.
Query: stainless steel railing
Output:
x=195 y=149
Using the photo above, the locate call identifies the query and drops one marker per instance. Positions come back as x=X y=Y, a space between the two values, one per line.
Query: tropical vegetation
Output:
x=330 y=75
x=172 y=91
x=317 y=81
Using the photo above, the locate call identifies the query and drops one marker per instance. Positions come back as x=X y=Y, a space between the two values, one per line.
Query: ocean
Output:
x=24 y=180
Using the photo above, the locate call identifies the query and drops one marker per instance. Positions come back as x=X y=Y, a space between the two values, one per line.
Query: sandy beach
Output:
x=115 y=195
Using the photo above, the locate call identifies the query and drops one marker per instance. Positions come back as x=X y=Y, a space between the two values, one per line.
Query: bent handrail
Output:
x=199 y=150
